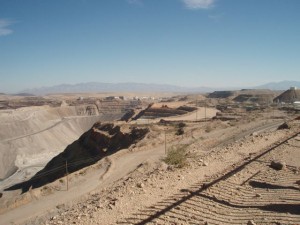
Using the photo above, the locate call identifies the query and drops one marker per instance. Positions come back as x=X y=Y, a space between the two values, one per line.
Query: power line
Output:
x=67 y=165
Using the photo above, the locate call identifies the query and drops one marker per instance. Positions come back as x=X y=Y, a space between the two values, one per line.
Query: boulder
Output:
x=283 y=126
x=278 y=165
x=251 y=222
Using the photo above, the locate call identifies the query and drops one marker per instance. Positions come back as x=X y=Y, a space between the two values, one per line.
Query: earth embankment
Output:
x=33 y=135
x=100 y=141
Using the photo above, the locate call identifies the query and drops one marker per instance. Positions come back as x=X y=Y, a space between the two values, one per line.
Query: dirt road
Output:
x=113 y=168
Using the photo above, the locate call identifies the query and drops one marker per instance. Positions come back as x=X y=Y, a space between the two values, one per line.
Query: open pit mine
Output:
x=221 y=158
x=31 y=136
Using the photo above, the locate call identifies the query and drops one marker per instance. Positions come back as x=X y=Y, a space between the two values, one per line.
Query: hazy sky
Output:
x=181 y=42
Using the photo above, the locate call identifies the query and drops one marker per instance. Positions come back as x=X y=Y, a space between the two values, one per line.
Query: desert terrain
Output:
x=225 y=158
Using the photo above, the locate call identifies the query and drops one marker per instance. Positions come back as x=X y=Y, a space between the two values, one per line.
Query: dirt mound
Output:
x=100 y=141
x=27 y=100
x=289 y=96
x=165 y=111
x=221 y=94
x=246 y=95
x=254 y=98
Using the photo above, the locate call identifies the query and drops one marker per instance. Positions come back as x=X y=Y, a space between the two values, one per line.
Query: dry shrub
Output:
x=181 y=125
x=46 y=190
x=208 y=129
x=180 y=131
x=177 y=156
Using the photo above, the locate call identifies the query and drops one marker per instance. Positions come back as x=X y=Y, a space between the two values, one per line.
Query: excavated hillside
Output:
x=26 y=133
x=288 y=96
x=221 y=94
x=15 y=102
x=259 y=96
x=100 y=141
x=164 y=111
x=255 y=98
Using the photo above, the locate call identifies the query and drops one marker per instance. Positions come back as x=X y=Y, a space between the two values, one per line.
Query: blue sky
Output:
x=182 y=42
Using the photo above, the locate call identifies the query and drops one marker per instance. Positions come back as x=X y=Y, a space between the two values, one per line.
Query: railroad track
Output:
x=249 y=191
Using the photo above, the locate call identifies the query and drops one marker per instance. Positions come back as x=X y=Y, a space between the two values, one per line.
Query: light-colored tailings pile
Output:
x=31 y=136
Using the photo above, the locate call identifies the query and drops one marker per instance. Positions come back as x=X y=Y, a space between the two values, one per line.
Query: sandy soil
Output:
x=201 y=113
x=170 y=104
x=155 y=193
x=122 y=188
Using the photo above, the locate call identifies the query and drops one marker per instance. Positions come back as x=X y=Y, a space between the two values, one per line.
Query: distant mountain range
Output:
x=142 y=87
x=283 y=85
x=114 y=87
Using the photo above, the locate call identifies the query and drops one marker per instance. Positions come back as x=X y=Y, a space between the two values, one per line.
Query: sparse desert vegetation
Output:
x=177 y=156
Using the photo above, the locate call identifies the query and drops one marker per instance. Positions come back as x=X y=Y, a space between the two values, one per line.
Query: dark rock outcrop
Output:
x=278 y=165
x=128 y=115
x=283 y=126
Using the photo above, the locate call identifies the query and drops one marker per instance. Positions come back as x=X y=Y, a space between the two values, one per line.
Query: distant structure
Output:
x=290 y=96
x=110 y=98
x=114 y=97
x=296 y=105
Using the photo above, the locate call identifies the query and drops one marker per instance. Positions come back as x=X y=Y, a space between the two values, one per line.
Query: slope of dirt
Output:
x=160 y=194
x=221 y=94
x=260 y=96
x=26 y=100
x=100 y=141
x=166 y=110
x=162 y=112
x=289 y=96
x=26 y=132
x=123 y=196
x=255 y=98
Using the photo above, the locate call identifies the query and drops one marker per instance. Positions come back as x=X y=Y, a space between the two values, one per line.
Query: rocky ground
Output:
x=157 y=193
x=165 y=192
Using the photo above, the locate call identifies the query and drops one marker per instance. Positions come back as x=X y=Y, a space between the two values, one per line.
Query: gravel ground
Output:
x=157 y=193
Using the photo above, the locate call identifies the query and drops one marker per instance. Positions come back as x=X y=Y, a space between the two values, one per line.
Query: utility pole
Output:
x=165 y=142
x=196 y=109
x=205 y=110
x=67 y=174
